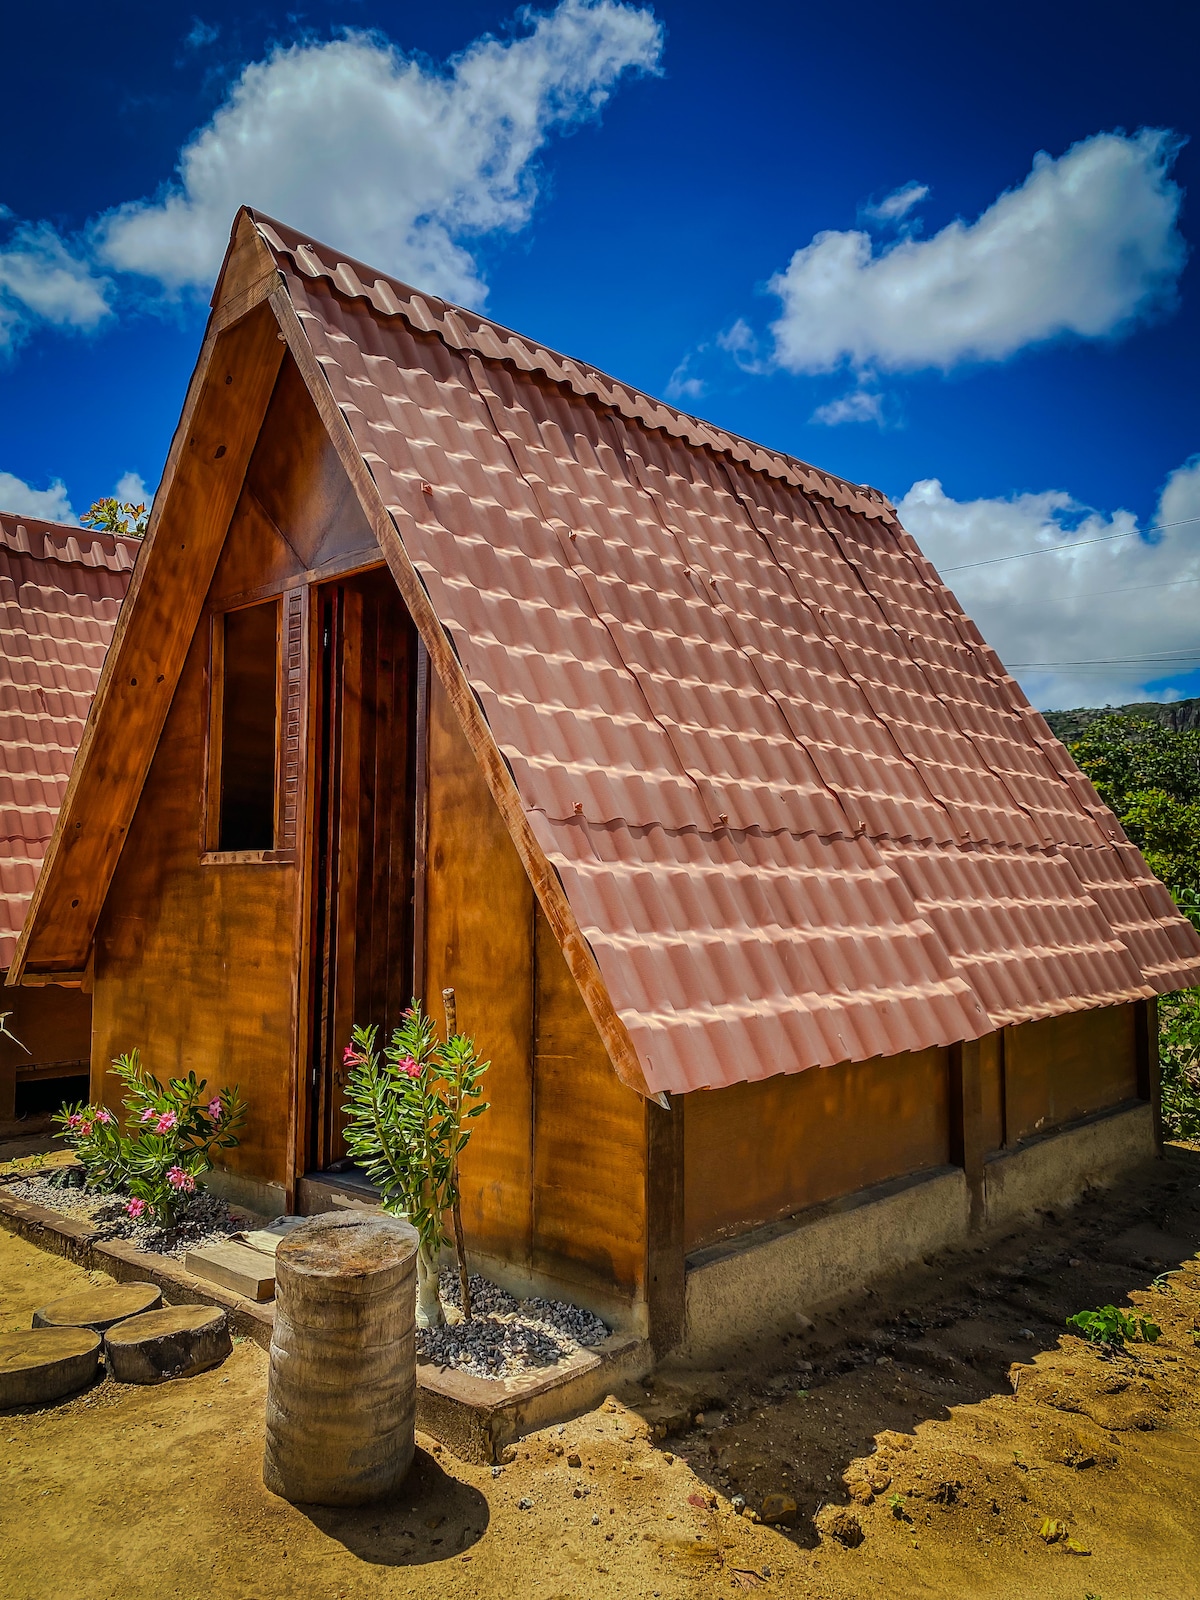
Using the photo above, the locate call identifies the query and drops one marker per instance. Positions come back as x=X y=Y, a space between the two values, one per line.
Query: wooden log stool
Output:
x=99 y=1308
x=44 y=1364
x=342 y=1391
x=172 y=1342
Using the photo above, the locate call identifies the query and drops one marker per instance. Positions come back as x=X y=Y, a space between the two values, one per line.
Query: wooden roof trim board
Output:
x=444 y=659
x=466 y=330
x=194 y=504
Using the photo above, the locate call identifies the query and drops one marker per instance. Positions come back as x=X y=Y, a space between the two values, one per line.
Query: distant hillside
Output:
x=1181 y=716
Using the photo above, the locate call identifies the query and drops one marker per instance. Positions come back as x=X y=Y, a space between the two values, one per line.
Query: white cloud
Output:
x=1088 y=625
x=898 y=204
x=131 y=489
x=858 y=406
x=382 y=154
x=1085 y=246
x=51 y=505
x=40 y=280
x=683 y=385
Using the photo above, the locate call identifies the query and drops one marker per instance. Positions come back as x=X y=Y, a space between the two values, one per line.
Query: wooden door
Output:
x=365 y=834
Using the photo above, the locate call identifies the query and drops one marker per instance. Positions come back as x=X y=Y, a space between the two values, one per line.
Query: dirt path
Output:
x=143 y=1494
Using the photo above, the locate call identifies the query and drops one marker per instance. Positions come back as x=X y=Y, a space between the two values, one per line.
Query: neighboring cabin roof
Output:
x=60 y=590
x=799 y=810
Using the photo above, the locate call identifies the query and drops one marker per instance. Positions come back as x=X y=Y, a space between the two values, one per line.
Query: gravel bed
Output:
x=506 y=1337
x=203 y=1219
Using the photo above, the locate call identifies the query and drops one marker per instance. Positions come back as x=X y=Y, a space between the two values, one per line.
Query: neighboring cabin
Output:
x=451 y=661
x=60 y=590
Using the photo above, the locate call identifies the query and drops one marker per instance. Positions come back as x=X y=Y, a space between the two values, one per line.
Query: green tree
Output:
x=117 y=516
x=1150 y=776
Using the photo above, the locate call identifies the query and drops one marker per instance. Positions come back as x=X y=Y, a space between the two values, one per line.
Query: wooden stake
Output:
x=456 y=1208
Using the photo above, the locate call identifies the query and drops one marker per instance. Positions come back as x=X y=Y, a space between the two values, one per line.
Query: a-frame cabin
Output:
x=450 y=661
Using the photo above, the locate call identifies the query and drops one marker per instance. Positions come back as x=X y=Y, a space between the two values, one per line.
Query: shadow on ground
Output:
x=433 y=1518
x=786 y=1424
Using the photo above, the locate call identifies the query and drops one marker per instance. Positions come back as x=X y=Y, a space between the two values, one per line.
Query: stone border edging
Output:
x=476 y=1418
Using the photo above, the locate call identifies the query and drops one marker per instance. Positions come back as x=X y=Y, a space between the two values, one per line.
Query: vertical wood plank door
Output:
x=364 y=836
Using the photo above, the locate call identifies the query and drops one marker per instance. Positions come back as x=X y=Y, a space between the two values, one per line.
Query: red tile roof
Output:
x=801 y=811
x=60 y=591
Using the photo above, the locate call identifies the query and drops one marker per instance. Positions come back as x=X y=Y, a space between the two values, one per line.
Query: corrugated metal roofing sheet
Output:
x=60 y=591
x=802 y=813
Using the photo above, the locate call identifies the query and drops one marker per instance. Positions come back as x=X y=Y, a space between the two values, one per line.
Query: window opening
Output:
x=250 y=677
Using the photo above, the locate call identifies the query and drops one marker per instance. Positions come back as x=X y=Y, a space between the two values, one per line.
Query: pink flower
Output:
x=74 y=1120
x=104 y=1116
x=85 y=1128
x=136 y=1208
x=165 y=1123
x=214 y=1108
x=181 y=1180
x=147 y=1114
x=408 y=1067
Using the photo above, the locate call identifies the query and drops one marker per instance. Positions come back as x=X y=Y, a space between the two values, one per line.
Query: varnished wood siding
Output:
x=1064 y=1067
x=759 y=1151
x=195 y=964
x=479 y=942
x=991 y=1083
x=198 y=964
x=589 y=1221
x=554 y=1177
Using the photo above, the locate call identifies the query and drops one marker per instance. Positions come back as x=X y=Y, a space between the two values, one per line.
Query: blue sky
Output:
x=721 y=204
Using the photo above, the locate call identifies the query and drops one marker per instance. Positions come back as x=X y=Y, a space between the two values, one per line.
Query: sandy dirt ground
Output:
x=896 y=1420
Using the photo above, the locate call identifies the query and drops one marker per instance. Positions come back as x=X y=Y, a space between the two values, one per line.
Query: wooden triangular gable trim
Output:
x=444 y=660
x=226 y=400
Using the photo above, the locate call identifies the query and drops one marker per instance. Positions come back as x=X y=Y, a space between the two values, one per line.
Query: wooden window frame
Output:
x=290 y=666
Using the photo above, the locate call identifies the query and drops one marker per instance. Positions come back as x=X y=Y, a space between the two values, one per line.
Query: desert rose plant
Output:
x=409 y=1107
x=165 y=1147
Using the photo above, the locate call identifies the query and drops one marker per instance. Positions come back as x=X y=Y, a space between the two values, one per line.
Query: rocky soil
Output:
x=203 y=1219
x=505 y=1336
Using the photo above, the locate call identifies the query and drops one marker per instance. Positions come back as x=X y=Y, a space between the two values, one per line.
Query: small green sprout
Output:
x=1112 y=1328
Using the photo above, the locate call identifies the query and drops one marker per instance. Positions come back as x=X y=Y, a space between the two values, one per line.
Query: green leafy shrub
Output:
x=170 y=1131
x=409 y=1106
x=1113 y=1328
x=1179 y=1062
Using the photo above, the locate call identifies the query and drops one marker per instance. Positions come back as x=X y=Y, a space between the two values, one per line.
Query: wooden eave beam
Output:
x=546 y=884
x=226 y=401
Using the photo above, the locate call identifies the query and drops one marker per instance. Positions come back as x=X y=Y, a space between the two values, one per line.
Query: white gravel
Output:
x=202 y=1220
x=506 y=1337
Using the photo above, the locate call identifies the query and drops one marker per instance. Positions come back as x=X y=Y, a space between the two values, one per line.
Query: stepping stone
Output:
x=239 y=1267
x=99 y=1308
x=38 y=1365
x=174 y=1342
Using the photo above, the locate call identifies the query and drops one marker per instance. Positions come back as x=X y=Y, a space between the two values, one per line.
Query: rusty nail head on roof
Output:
x=426 y=488
x=579 y=808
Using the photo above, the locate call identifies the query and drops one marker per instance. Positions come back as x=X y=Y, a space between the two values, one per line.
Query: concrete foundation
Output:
x=825 y=1253
x=250 y=1194
x=1051 y=1170
x=831 y=1251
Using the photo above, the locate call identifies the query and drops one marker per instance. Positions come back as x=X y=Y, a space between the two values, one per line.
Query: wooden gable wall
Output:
x=554 y=1180
x=197 y=962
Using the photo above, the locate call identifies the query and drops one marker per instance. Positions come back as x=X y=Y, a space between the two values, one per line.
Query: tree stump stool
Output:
x=173 y=1342
x=100 y=1308
x=342 y=1391
x=39 y=1365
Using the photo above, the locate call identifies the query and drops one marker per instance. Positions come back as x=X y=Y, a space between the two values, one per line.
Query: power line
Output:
x=1132 y=588
x=1075 y=544
x=1116 y=661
